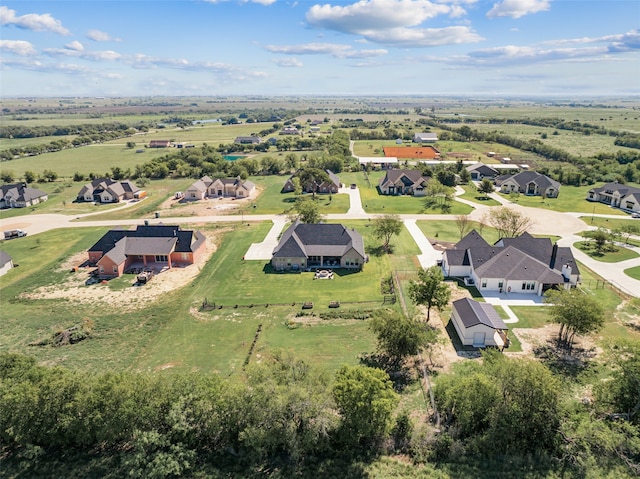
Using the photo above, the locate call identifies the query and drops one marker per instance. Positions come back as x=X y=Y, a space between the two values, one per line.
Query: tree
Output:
x=131 y=144
x=465 y=176
x=366 y=401
x=29 y=176
x=509 y=222
x=622 y=393
x=629 y=230
x=7 y=176
x=398 y=336
x=297 y=188
x=306 y=210
x=430 y=289
x=486 y=186
x=575 y=312
x=386 y=226
x=310 y=179
x=463 y=222
x=437 y=192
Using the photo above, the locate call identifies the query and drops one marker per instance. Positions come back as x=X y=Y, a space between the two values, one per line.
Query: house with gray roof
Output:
x=528 y=183
x=479 y=170
x=617 y=195
x=403 y=182
x=318 y=245
x=248 y=140
x=331 y=185
x=6 y=262
x=107 y=190
x=207 y=187
x=146 y=247
x=478 y=324
x=425 y=137
x=20 y=195
x=524 y=264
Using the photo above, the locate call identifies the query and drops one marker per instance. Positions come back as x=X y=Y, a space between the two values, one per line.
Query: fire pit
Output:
x=323 y=274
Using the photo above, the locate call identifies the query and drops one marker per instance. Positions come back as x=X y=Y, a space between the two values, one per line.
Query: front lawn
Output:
x=609 y=254
x=472 y=194
x=633 y=272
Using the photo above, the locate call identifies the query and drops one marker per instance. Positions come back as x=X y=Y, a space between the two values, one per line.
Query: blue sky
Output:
x=274 y=47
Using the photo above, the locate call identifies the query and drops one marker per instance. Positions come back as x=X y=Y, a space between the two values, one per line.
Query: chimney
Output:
x=554 y=254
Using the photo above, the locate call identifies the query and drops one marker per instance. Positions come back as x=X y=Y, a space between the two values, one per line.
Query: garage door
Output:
x=478 y=340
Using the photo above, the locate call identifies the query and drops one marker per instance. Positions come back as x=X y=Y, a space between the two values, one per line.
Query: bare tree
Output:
x=508 y=222
x=463 y=222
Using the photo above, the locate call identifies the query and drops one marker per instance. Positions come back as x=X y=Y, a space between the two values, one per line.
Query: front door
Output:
x=478 y=340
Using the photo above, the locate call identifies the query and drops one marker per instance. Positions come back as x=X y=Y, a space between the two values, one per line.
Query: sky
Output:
x=561 y=48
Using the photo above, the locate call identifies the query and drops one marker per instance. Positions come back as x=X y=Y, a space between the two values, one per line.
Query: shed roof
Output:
x=473 y=313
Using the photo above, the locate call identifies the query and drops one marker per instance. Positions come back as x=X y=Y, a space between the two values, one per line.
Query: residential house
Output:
x=403 y=182
x=617 y=195
x=159 y=143
x=106 y=190
x=6 y=262
x=478 y=324
x=321 y=245
x=206 y=187
x=512 y=265
x=20 y=195
x=289 y=130
x=425 y=137
x=529 y=183
x=248 y=140
x=479 y=170
x=154 y=247
x=331 y=185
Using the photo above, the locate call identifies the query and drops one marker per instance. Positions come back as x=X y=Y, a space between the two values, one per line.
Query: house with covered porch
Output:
x=156 y=247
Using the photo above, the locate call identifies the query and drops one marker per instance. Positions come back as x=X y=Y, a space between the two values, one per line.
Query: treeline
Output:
x=514 y=414
x=86 y=129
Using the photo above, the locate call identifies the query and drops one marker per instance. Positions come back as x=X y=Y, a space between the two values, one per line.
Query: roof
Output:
x=514 y=264
x=473 y=313
x=116 y=188
x=318 y=239
x=426 y=136
x=525 y=177
x=393 y=176
x=624 y=190
x=21 y=192
x=483 y=169
x=157 y=239
x=4 y=258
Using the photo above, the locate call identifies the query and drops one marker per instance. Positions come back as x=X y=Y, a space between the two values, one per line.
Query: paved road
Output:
x=565 y=225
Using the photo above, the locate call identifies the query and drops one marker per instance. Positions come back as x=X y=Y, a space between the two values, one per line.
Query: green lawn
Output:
x=448 y=231
x=615 y=255
x=472 y=194
x=571 y=198
x=633 y=272
x=610 y=223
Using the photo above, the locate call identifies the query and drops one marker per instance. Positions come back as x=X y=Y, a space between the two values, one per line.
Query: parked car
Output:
x=635 y=215
x=9 y=234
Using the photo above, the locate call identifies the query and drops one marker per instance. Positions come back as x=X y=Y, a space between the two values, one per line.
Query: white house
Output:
x=529 y=183
x=617 y=195
x=220 y=188
x=425 y=137
x=478 y=324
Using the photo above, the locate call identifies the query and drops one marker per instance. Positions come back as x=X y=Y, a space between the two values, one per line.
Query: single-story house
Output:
x=159 y=143
x=20 y=195
x=403 y=182
x=520 y=265
x=318 y=245
x=6 y=262
x=248 y=140
x=332 y=185
x=206 y=187
x=617 y=195
x=425 y=137
x=478 y=324
x=155 y=247
x=479 y=170
x=289 y=130
x=528 y=183
x=106 y=190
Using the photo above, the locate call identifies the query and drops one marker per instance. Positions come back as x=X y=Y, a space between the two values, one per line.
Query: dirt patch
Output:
x=75 y=287
x=15 y=226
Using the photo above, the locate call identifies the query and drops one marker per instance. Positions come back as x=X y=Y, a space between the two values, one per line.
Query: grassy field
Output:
x=610 y=223
x=617 y=254
x=472 y=194
x=633 y=272
x=448 y=231
x=571 y=198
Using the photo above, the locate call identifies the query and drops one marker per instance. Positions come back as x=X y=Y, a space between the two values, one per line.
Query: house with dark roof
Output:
x=6 y=262
x=147 y=247
x=403 y=182
x=207 y=187
x=20 y=195
x=106 y=190
x=478 y=324
x=331 y=185
x=617 y=195
x=318 y=245
x=520 y=265
x=479 y=170
x=425 y=137
x=248 y=140
x=528 y=183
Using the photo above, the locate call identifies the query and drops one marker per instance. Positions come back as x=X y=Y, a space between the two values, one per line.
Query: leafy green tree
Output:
x=291 y=160
x=486 y=186
x=509 y=222
x=621 y=394
x=463 y=222
x=311 y=178
x=7 y=176
x=366 y=401
x=465 y=176
x=430 y=290
x=131 y=144
x=398 y=336
x=437 y=192
x=600 y=237
x=306 y=210
x=575 y=312
x=386 y=226
x=297 y=188
x=29 y=176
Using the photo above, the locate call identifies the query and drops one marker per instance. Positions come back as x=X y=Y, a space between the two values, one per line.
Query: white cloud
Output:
x=517 y=8
x=74 y=45
x=288 y=62
x=427 y=37
x=100 y=36
x=98 y=56
x=332 y=49
x=17 y=47
x=32 y=21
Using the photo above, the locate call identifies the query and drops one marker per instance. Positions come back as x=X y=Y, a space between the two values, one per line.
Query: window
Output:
x=115 y=269
x=185 y=256
x=161 y=258
x=101 y=269
x=529 y=286
x=500 y=284
x=484 y=283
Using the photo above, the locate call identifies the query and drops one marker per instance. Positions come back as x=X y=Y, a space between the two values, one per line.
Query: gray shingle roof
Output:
x=149 y=237
x=318 y=239
x=473 y=313
x=514 y=264
x=21 y=192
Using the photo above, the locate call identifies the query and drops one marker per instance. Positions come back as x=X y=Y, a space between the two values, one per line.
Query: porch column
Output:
x=169 y=260
x=144 y=260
